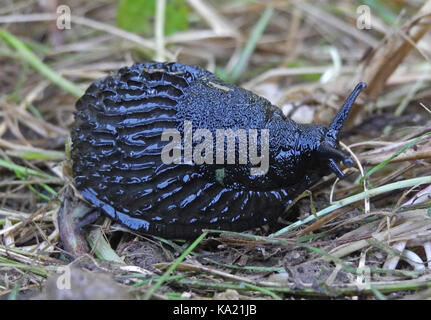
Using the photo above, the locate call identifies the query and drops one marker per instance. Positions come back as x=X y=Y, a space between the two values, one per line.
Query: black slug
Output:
x=236 y=163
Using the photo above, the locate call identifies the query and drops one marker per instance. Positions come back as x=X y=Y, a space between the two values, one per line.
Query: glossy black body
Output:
x=117 y=145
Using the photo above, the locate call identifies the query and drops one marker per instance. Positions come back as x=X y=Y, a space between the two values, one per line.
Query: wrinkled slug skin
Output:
x=117 y=148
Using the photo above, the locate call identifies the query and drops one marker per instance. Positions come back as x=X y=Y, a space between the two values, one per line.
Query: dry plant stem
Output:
x=42 y=127
x=408 y=228
x=352 y=199
x=427 y=247
x=361 y=170
x=384 y=59
x=392 y=262
x=15 y=228
x=9 y=239
x=335 y=290
x=220 y=28
x=218 y=23
x=425 y=107
x=283 y=72
x=331 y=279
x=333 y=21
x=34 y=94
x=408 y=155
x=26 y=257
x=323 y=221
x=361 y=265
x=376 y=156
x=160 y=30
x=118 y=32
x=33 y=60
x=387 y=146
x=414 y=260
x=149 y=44
x=197 y=267
x=291 y=39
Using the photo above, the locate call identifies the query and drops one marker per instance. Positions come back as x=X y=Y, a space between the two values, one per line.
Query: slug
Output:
x=169 y=149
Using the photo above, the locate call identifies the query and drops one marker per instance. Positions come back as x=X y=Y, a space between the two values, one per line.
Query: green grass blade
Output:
x=396 y=154
x=163 y=278
x=357 y=197
x=252 y=42
x=34 y=61
x=101 y=247
x=23 y=170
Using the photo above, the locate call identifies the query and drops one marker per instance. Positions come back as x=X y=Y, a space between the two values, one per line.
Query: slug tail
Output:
x=338 y=122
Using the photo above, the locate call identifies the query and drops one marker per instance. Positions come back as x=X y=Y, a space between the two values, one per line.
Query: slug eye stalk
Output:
x=338 y=122
x=326 y=150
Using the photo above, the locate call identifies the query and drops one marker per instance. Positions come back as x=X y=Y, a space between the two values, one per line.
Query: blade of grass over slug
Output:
x=357 y=197
x=163 y=278
x=34 y=61
x=251 y=44
x=396 y=154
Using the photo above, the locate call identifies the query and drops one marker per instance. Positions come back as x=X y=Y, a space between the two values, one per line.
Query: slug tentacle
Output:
x=335 y=168
x=338 y=122
x=327 y=150
x=332 y=155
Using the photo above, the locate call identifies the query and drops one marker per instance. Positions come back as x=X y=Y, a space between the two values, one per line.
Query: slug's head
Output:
x=328 y=152
x=303 y=153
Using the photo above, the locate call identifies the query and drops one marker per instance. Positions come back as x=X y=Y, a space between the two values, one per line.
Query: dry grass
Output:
x=372 y=242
